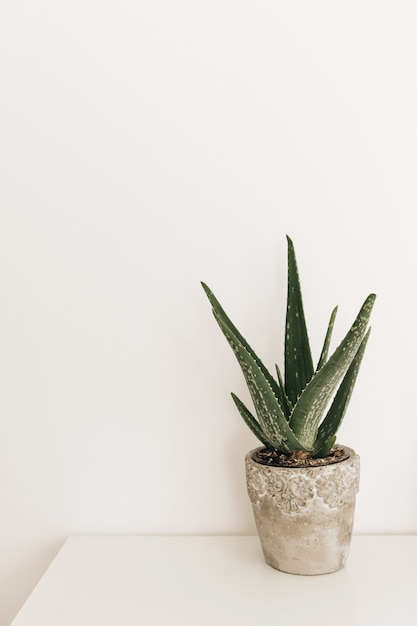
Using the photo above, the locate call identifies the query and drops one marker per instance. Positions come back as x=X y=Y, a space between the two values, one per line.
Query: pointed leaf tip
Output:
x=298 y=361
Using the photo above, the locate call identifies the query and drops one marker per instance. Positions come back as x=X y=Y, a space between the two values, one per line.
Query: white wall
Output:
x=146 y=146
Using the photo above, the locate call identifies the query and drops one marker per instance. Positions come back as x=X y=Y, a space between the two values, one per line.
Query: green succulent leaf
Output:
x=325 y=448
x=331 y=423
x=270 y=414
x=268 y=409
x=327 y=339
x=311 y=405
x=285 y=402
x=298 y=362
x=221 y=314
x=251 y=421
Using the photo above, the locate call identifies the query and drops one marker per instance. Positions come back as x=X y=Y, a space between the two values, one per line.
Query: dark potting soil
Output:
x=300 y=458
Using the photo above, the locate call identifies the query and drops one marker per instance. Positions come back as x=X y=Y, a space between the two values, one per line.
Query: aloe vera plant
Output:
x=291 y=409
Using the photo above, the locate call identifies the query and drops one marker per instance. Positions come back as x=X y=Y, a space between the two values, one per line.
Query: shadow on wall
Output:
x=24 y=571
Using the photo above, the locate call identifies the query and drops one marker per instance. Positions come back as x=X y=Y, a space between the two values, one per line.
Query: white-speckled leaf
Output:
x=312 y=403
x=269 y=412
x=331 y=423
x=298 y=362
x=251 y=421
x=221 y=314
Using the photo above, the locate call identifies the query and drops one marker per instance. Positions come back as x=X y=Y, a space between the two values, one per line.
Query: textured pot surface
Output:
x=304 y=516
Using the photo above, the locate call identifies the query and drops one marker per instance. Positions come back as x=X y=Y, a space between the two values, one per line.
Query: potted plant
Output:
x=301 y=484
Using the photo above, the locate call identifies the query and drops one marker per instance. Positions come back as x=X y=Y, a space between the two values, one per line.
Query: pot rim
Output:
x=349 y=454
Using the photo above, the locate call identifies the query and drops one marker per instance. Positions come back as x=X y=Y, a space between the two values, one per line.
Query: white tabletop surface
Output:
x=216 y=580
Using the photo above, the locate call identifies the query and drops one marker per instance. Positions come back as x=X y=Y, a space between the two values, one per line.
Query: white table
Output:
x=215 y=581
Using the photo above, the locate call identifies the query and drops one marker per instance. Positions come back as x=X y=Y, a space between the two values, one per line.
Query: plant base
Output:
x=304 y=515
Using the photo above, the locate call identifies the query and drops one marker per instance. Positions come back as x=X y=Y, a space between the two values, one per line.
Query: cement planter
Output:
x=304 y=516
